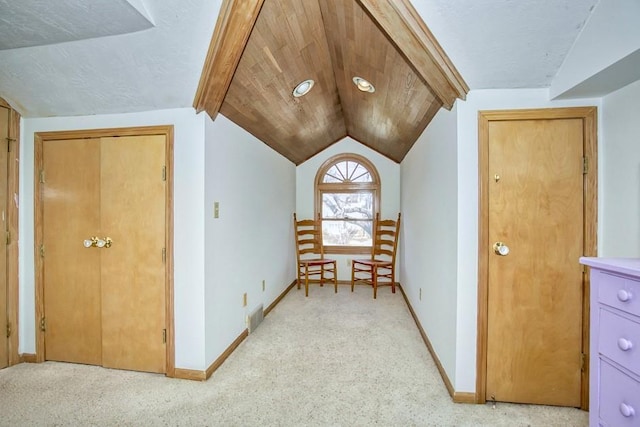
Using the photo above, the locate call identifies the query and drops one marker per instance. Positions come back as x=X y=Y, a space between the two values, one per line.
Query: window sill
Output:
x=347 y=250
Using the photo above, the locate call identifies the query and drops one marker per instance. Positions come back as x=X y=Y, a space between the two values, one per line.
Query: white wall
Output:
x=429 y=201
x=252 y=239
x=498 y=99
x=388 y=170
x=188 y=221
x=620 y=164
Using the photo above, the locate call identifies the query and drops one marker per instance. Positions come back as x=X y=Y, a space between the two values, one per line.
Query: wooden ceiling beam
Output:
x=408 y=32
x=233 y=28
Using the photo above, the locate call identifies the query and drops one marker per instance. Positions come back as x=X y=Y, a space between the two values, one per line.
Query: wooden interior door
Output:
x=535 y=207
x=71 y=207
x=4 y=135
x=133 y=268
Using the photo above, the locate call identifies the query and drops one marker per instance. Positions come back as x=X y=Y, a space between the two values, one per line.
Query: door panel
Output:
x=535 y=205
x=4 y=134
x=71 y=200
x=133 y=271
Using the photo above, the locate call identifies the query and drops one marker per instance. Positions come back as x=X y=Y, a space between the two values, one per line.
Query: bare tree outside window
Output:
x=347 y=192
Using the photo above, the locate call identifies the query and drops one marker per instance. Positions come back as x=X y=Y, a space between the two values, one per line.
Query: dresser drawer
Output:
x=619 y=340
x=619 y=397
x=619 y=292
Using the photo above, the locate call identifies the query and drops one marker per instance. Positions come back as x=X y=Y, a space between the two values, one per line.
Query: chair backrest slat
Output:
x=308 y=237
x=385 y=238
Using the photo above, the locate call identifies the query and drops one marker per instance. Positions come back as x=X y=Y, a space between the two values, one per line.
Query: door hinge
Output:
x=8 y=237
x=164 y=173
x=43 y=324
x=164 y=336
x=42 y=251
x=41 y=176
x=585 y=165
x=583 y=361
x=9 y=141
x=8 y=329
x=164 y=255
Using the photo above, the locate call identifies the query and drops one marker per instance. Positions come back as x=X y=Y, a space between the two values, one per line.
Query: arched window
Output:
x=347 y=199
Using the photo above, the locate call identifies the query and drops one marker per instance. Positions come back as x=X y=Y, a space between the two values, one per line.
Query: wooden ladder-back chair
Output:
x=313 y=267
x=380 y=269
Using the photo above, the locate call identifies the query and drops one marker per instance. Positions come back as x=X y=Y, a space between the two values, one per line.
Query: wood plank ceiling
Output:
x=261 y=49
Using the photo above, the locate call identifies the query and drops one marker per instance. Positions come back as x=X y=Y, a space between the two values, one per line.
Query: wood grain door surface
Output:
x=4 y=134
x=71 y=205
x=534 y=320
x=105 y=306
x=133 y=271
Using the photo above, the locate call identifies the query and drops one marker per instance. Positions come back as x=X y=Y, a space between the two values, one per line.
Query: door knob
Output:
x=501 y=249
x=93 y=241
x=104 y=242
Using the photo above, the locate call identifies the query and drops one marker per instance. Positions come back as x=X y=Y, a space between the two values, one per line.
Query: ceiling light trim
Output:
x=363 y=85
x=303 y=88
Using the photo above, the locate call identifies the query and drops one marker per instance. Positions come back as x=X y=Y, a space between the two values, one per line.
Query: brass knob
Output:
x=90 y=242
x=104 y=242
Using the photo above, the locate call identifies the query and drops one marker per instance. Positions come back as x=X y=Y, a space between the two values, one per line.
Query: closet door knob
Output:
x=93 y=241
x=105 y=242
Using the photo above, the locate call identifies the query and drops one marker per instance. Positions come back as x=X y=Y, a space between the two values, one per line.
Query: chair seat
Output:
x=372 y=262
x=380 y=268
x=323 y=261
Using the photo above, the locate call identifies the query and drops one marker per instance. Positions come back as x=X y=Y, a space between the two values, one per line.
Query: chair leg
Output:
x=299 y=277
x=306 y=281
x=353 y=273
x=335 y=276
x=374 y=276
x=393 y=280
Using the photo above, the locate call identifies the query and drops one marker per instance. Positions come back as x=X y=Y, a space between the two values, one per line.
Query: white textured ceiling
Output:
x=506 y=43
x=147 y=70
x=28 y=23
x=493 y=43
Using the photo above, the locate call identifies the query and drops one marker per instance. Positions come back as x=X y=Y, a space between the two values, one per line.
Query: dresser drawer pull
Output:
x=627 y=410
x=624 y=344
x=624 y=295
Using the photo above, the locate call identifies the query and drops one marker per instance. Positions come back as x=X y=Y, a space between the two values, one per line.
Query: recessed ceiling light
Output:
x=303 y=88
x=363 y=85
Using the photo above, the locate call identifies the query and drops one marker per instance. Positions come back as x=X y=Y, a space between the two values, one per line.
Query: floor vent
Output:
x=255 y=318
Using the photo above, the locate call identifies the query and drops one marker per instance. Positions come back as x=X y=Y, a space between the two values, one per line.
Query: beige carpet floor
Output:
x=327 y=360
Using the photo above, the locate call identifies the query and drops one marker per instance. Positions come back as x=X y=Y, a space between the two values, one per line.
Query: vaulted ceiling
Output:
x=281 y=43
x=72 y=57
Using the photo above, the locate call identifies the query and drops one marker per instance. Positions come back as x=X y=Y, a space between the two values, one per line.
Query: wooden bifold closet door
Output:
x=105 y=305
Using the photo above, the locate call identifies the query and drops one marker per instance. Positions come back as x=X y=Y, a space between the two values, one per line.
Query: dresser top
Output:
x=630 y=266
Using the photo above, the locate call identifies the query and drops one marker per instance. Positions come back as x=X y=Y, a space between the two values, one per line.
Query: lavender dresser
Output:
x=614 y=383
